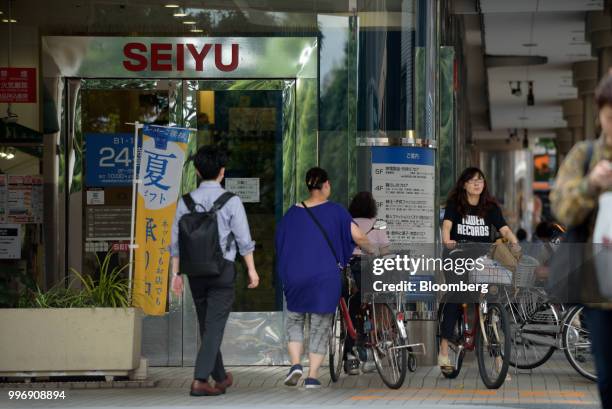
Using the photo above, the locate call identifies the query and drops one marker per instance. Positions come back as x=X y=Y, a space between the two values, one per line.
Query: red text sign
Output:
x=160 y=56
x=17 y=85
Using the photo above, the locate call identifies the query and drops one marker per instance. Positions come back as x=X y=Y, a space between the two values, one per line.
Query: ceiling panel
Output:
x=558 y=36
x=517 y=6
x=535 y=117
x=551 y=84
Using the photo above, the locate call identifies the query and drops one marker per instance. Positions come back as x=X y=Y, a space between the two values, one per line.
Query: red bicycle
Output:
x=488 y=332
x=385 y=335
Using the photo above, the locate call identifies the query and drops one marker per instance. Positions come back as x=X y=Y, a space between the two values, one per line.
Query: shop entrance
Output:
x=260 y=101
x=253 y=121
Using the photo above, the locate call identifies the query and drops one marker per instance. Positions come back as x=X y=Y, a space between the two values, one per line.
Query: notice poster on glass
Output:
x=24 y=199
x=403 y=185
x=2 y=198
x=10 y=244
x=247 y=189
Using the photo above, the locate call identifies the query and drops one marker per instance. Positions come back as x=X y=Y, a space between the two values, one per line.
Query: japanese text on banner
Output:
x=162 y=158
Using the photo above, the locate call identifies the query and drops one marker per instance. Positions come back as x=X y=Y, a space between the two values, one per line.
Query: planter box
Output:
x=49 y=341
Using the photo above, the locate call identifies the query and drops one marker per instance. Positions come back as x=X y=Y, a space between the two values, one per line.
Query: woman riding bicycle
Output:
x=470 y=214
x=363 y=210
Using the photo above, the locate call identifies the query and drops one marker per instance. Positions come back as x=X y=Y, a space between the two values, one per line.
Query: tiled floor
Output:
x=553 y=385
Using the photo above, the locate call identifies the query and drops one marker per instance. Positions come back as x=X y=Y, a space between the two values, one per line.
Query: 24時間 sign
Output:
x=17 y=85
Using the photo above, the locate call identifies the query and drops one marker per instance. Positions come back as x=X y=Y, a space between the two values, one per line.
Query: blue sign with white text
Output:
x=109 y=159
x=409 y=155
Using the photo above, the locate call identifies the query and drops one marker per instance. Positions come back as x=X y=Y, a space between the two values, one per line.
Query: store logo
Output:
x=160 y=56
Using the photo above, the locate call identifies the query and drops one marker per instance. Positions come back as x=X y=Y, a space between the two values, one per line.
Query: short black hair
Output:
x=603 y=92
x=521 y=234
x=315 y=177
x=363 y=205
x=208 y=161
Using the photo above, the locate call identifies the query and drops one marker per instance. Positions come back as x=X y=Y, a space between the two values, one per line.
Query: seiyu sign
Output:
x=180 y=57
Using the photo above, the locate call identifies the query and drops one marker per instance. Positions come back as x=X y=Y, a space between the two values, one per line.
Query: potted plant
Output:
x=67 y=331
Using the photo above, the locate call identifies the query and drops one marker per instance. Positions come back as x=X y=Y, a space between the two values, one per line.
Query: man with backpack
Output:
x=210 y=227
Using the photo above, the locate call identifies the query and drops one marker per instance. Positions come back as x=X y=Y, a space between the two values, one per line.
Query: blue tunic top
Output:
x=306 y=265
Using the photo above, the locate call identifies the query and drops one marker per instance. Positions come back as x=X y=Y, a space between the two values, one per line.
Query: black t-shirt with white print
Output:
x=471 y=227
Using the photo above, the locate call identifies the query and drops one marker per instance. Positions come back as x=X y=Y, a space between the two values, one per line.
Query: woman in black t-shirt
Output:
x=470 y=215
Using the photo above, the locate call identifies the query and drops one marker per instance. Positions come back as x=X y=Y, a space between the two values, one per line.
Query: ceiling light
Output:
x=189 y=22
x=180 y=14
x=172 y=6
x=516 y=91
x=196 y=30
x=530 y=97
x=4 y=20
x=1 y=12
x=10 y=156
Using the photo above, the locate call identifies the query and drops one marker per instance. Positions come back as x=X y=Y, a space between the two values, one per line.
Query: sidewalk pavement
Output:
x=554 y=385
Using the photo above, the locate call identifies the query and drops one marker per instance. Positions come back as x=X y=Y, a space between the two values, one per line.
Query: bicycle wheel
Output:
x=533 y=333
x=337 y=338
x=493 y=352
x=390 y=359
x=577 y=345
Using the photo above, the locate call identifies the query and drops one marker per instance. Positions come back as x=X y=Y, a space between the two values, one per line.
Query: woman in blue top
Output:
x=309 y=271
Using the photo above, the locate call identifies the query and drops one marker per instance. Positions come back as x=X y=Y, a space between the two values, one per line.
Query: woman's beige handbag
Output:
x=505 y=254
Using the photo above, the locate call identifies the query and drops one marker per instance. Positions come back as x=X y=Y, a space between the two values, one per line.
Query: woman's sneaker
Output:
x=294 y=375
x=312 y=383
x=351 y=365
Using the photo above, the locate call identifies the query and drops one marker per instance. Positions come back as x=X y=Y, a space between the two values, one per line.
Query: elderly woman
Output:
x=312 y=238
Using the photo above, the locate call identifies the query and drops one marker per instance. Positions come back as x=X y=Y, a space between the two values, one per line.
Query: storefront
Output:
x=280 y=101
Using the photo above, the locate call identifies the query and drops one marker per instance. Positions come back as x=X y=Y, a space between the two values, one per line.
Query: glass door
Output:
x=253 y=121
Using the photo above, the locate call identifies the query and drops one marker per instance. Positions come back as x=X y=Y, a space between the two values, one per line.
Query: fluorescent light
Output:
x=180 y=14
x=196 y=30
x=172 y=6
x=189 y=22
x=4 y=20
x=10 y=156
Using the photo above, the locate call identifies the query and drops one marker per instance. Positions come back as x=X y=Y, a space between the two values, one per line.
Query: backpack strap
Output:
x=221 y=201
x=191 y=206
x=217 y=205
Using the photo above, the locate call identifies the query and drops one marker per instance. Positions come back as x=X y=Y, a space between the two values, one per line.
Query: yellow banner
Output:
x=161 y=164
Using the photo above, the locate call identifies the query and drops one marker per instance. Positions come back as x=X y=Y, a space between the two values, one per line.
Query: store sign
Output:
x=181 y=57
x=403 y=185
x=161 y=165
x=160 y=56
x=17 y=85
x=10 y=244
x=109 y=159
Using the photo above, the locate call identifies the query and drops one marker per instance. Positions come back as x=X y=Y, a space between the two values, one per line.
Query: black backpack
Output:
x=199 y=246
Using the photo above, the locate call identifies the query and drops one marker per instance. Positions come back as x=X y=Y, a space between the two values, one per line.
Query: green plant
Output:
x=109 y=290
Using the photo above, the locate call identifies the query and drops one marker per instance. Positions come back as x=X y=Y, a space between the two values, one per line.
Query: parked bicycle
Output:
x=539 y=328
x=384 y=333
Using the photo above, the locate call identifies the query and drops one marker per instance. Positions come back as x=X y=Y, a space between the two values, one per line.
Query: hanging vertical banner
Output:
x=162 y=157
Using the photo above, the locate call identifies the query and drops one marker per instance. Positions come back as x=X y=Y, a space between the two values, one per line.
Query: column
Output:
x=585 y=79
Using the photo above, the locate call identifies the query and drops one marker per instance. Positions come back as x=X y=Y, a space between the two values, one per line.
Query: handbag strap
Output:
x=329 y=243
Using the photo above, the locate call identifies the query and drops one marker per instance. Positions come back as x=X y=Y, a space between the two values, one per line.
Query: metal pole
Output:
x=135 y=182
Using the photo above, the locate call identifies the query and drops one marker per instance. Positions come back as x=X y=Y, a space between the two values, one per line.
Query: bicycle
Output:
x=488 y=333
x=539 y=328
x=386 y=337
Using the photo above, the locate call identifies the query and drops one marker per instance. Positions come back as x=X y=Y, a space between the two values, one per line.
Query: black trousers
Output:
x=213 y=299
